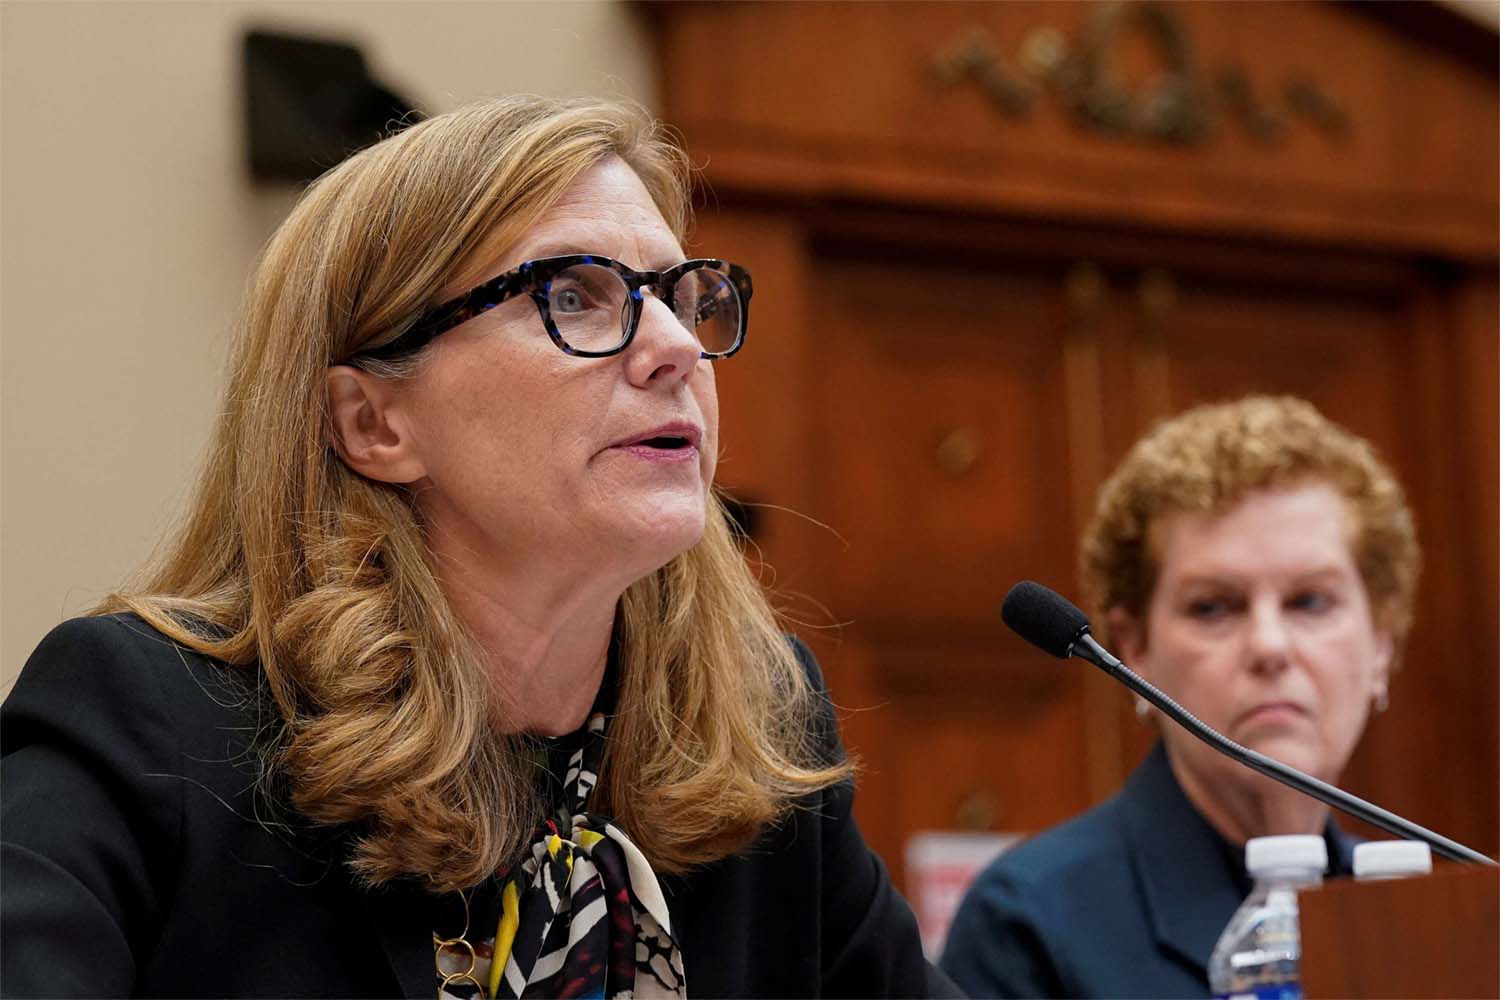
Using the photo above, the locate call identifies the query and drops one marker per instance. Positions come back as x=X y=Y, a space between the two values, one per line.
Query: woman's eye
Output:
x=569 y=300
x=1311 y=600
x=1208 y=608
x=576 y=294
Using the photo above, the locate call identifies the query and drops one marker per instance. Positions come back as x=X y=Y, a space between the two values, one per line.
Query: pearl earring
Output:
x=1142 y=708
x=1382 y=698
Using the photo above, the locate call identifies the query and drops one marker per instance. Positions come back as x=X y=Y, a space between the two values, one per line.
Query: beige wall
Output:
x=127 y=230
x=1483 y=11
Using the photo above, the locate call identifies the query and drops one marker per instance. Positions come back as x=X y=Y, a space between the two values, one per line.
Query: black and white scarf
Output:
x=582 y=916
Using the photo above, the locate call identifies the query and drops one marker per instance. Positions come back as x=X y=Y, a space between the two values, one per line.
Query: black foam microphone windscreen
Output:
x=1043 y=618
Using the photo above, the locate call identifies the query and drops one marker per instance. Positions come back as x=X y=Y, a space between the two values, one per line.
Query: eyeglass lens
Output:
x=590 y=306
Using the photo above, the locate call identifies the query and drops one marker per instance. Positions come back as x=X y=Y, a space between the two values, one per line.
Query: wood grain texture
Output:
x=838 y=101
x=927 y=407
x=1436 y=936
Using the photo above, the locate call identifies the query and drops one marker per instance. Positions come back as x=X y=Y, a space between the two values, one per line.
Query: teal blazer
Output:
x=1126 y=900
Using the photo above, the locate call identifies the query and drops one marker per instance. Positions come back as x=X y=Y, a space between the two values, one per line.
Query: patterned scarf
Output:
x=582 y=916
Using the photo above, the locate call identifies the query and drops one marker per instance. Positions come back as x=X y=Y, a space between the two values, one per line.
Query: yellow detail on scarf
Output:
x=505 y=935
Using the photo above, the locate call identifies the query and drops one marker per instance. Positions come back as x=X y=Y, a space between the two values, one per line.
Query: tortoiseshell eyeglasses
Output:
x=591 y=305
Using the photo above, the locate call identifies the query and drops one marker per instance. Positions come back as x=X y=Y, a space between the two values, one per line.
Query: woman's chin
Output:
x=656 y=537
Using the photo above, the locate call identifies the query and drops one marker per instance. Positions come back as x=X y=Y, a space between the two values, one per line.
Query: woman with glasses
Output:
x=454 y=680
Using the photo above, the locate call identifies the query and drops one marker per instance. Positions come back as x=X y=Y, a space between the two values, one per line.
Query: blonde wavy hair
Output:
x=290 y=562
x=1207 y=459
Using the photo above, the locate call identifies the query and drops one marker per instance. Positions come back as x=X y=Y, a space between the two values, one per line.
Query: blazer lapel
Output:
x=403 y=916
x=1181 y=863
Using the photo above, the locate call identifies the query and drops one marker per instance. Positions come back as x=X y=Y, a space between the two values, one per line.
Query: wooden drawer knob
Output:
x=959 y=450
x=1158 y=293
x=1087 y=287
x=977 y=811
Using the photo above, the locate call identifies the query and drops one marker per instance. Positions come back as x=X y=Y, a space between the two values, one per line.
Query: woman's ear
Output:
x=369 y=428
x=1385 y=661
x=1127 y=634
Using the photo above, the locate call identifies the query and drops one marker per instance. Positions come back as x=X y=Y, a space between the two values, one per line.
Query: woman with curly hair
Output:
x=1257 y=563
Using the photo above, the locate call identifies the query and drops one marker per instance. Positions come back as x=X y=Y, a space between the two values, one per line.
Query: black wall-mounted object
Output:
x=310 y=102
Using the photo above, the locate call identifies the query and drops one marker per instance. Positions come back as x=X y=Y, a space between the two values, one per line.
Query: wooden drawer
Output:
x=944 y=451
x=983 y=743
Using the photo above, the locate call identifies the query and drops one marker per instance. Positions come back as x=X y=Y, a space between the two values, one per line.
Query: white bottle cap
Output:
x=1388 y=858
x=1302 y=852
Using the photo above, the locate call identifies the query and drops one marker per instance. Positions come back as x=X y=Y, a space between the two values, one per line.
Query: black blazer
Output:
x=1126 y=900
x=141 y=857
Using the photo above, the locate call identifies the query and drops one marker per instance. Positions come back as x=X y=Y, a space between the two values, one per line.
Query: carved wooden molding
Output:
x=1185 y=105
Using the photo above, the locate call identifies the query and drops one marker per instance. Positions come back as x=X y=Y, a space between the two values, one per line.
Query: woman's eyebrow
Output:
x=1231 y=579
x=1210 y=579
x=1322 y=574
x=558 y=249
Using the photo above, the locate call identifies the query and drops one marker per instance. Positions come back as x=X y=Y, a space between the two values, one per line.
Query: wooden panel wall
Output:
x=963 y=317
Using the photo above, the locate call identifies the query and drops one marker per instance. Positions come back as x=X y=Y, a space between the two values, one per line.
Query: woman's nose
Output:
x=1269 y=642
x=663 y=348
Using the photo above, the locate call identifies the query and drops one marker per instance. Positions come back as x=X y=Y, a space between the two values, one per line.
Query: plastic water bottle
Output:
x=1259 y=955
x=1380 y=859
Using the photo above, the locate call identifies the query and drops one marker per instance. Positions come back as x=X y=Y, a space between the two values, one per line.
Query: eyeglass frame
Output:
x=534 y=277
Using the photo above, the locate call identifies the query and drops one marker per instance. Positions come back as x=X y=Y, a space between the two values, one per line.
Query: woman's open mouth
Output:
x=668 y=443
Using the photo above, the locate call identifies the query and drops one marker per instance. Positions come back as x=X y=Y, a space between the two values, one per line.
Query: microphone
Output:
x=1052 y=623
